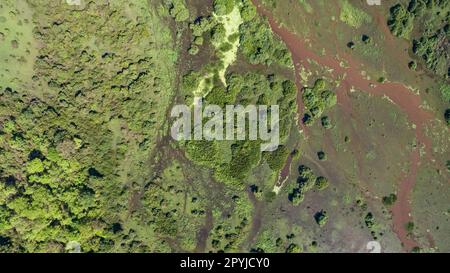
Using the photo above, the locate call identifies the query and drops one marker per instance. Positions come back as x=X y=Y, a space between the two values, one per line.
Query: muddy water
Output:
x=404 y=98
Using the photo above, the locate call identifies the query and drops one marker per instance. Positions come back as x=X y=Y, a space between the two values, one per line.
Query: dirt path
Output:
x=256 y=218
x=409 y=102
x=284 y=173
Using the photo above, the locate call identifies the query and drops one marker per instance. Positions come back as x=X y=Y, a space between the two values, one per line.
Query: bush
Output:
x=296 y=197
x=259 y=46
x=390 y=199
x=248 y=11
x=409 y=227
x=353 y=16
x=326 y=123
x=178 y=10
x=277 y=158
x=322 y=156
x=369 y=220
x=447 y=116
x=401 y=21
x=218 y=34
x=202 y=25
x=293 y=248
x=223 y=7
x=321 y=218
x=193 y=50
x=317 y=100
x=412 y=65
x=321 y=183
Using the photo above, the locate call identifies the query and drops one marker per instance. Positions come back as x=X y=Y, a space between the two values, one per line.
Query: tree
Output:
x=390 y=199
x=218 y=34
x=223 y=7
x=409 y=227
x=321 y=183
x=400 y=21
x=277 y=158
x=329 y=98
x=326 y=123
x=248 y=10
x=198 y=40
x=322 y=156
x=202 y=25
x=412 y=65
x=193 y=50
x=369 y=220
x=178 y=10
x=296 y=197
x=321 y=218
x=447 y=116
x=293 y=248
x=259 y=45
x=35 y=166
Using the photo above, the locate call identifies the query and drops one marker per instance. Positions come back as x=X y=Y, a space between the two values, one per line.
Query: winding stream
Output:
x=408 y=101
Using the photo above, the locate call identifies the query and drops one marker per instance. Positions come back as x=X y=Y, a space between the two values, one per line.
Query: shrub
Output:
x=322 y=156
x=293 y=248
x=321 y=218
x=390 y=199
x=223 y=7
x=321 y=183
x=326 y=123
x=178 y=10
x=447 y=116
x=277 y=158
x=400 y=21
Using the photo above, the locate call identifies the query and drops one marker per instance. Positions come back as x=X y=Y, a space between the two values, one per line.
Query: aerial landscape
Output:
x=346 y=147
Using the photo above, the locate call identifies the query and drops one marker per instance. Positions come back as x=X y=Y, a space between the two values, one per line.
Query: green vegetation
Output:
x=321 y=156
x=87 y=163
x=326 y=122
x=409 y=227
x=429 y=19
x=277 y=158
x=170 y=209
x=317 y=100
x=229 y=232
x=260 y=46
x=445 y=92
x=61 y=180
x=307 y=6
x=233 y=160
x=352 y=15
x=256 y=191
x=223 y=7
x=178 y=10
x=400 y=22
x=293 y=248
x=321 y=183
x=390 y=199
x=371 y=224
x=306 y=181
x=321 y=218
x=412 y=65
x=248 y=11
x=18 y=47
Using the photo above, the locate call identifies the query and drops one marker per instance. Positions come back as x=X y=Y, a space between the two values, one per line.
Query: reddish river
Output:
x=404 y=98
